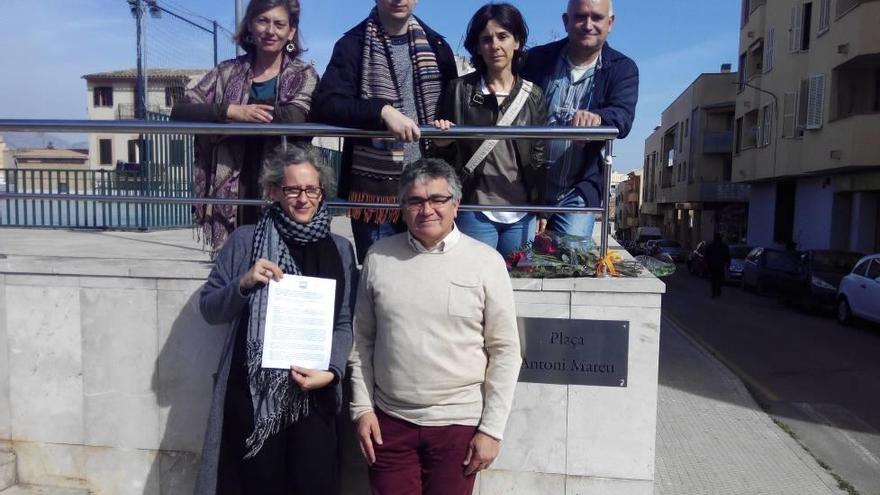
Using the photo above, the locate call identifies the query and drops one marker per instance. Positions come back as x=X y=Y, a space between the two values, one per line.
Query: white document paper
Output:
x=299 y=323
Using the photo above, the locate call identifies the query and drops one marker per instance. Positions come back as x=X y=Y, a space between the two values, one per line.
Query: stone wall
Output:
x=108 y=368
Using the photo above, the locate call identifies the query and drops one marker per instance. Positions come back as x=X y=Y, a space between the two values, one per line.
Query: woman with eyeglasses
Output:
x=274 y=431
x=503 y=172
x=269 y=83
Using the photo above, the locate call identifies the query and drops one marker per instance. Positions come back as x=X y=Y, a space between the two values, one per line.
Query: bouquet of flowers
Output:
x=556 y=255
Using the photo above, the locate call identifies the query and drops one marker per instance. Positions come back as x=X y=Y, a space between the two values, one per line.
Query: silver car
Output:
x=859 y=292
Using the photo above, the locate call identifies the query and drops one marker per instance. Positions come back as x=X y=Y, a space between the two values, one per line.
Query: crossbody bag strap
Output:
x=506 y=119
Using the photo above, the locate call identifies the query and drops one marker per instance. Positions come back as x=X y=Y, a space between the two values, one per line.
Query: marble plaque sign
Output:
x=574 y=352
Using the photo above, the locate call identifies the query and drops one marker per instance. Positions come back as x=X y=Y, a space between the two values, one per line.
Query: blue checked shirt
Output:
x=565 y=97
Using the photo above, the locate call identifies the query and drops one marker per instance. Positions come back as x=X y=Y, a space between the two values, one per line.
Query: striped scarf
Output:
x=376 y=169
x=277 y=401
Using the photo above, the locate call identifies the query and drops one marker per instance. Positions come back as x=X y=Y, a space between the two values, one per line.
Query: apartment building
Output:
x=111 y=96
x=807 y=128
x=688 y=163
x=628 y=199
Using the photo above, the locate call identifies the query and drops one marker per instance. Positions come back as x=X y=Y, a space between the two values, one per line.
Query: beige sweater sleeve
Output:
x=502 y=346
x=361 y=359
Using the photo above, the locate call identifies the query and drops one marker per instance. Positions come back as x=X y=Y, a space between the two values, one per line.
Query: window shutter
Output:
x=824 y=15
x=789 y=104
x=767 y=125
x=816 y=102
x=794 y=29
x=768 y=50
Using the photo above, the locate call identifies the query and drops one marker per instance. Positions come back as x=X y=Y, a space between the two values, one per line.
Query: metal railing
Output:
x=147 y=127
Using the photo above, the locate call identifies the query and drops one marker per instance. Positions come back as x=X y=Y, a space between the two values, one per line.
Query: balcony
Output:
x=718 y=142
x=126 y=111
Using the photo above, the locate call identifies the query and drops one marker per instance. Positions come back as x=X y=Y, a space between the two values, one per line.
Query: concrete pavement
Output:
x=713 y=438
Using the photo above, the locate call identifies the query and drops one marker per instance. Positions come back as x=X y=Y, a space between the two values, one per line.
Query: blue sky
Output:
x=49 y=44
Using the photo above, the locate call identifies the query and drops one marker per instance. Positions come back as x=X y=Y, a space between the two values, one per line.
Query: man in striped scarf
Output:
x=386 y=73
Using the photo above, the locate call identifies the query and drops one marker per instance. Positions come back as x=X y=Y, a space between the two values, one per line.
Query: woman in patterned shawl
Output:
x=267 y=84
x=274 y=431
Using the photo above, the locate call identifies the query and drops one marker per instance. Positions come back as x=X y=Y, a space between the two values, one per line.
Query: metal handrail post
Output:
x=606 y=200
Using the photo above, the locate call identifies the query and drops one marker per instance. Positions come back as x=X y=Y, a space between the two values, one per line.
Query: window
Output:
x=742 y=73
x=690 y=169
x=755 y=59
x=874 y=270
x=789 y=108
x=105 y=152
x=746 y=9
x=687 y=125
x=102 y=96
x=861 y=268
x=799 y=27
x=855 y=88
x=747 y=131
x=806 y=20
x=737 y=135
x=173 y=94
x=816 y=102
x=824 y=16
x=133 y=151
x=803 y=98
x=680 y=137
x=766 y=125
x=768 y=50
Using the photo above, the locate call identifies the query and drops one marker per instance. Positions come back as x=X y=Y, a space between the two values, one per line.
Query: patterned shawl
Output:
x=277 y=401
x=218 y=159
x=376 y=169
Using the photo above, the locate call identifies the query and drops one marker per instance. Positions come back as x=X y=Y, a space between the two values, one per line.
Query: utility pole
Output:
x=239 y=15
x=215 y=43
x=140 y=104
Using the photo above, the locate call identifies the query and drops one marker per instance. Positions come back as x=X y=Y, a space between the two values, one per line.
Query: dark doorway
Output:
x=783 y=225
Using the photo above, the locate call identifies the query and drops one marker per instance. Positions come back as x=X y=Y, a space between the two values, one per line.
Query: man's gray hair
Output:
x=425 y=170
x=610 y=7
x=277 y=162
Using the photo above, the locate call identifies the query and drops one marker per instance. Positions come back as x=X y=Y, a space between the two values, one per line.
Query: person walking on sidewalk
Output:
x=386 y=73
x=436 y=355
x=586 y=83
x=718 y=260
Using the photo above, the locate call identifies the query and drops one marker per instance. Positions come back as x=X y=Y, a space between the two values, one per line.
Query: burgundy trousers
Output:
x=421 y=460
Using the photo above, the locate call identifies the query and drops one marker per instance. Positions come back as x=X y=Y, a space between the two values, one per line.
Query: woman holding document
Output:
x=274 y=430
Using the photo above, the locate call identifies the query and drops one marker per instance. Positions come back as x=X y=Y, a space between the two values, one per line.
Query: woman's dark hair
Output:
x=255 y=8
x=510 y=18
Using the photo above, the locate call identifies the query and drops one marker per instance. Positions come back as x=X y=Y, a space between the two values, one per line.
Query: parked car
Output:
x=645 y=235
x=765 y=270
x=859 y=293
x=672 y=248
x=696 y=261
x=820 y=275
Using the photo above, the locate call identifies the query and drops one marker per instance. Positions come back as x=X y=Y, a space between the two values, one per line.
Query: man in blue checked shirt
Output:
x=586 y=83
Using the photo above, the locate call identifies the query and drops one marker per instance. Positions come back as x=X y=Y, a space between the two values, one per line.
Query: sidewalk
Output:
x=713 y=439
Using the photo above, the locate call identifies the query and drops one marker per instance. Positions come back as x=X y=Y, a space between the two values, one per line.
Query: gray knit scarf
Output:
x=376 y=168
x=277 y=401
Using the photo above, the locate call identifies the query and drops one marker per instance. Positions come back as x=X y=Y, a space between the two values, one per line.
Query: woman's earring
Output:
x=249 y=39
x=290 y=47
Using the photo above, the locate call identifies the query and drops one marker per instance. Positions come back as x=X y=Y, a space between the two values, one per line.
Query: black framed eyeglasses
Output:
x=416 y=203
x=295 y=191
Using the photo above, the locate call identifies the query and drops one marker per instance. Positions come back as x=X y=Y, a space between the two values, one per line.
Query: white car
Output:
x=859 y=292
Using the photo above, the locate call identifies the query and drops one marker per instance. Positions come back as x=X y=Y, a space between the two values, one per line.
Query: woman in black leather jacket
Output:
x=511 y=172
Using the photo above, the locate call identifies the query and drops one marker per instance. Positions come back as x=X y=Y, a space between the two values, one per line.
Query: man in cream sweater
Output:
x=436 y=354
